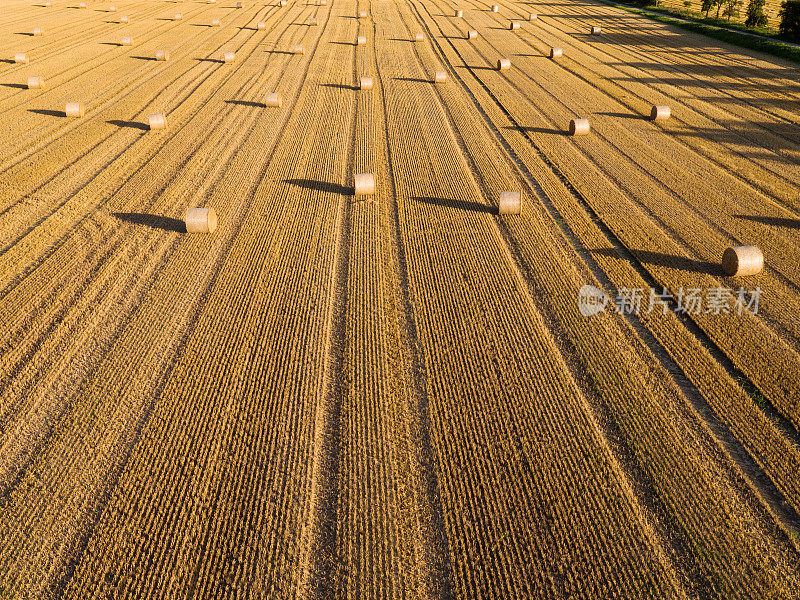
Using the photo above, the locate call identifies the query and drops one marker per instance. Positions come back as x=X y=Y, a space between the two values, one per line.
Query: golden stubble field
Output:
x=392 y=395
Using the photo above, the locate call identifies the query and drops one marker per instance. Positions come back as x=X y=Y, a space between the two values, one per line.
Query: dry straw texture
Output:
x=579 y=127
x=510 y=203
x=740 y=261
x=74 y=109
x=200 y=220
x=273 y=100
x=364 y=184
x=157 y=121
x=660 y=113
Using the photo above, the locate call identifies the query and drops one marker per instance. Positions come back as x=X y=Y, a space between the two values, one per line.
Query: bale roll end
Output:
x=740 y=261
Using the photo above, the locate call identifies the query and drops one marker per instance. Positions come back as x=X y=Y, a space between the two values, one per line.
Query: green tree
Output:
x=755 y=14
x=790 y=19
x=732 y=8
x=707 y=6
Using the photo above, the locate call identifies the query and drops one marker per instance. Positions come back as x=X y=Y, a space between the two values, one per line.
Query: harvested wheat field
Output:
x=338 y=299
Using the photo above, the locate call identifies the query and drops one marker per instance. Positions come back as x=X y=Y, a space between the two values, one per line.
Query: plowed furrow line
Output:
x=202 y=577
x=757 y=374
x=60 y=38
x=749 y=110
x=115 y=240
x=120 y=85
x=320 y=559
x=684 y=515
x=583 y=62
x=500 y=345
x=100 y=181
x=736 y=142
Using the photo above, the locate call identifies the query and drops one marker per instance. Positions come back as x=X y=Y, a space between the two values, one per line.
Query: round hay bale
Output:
x=157 y=121
x=228 y=57
x=362 y=14
x=21 y=58
x=740 y=261
x=127 y=41
x=556 y=53
x=239 y=5
x=261 y=25
x=162 y=54
x=596 y=30
x=215 y=22
x=298 y=49
x=459 y=13
x=472 y=34
x=364 y=184
x=579 y=127
x=510 y=203
x=38 y=31
x=82 y=5
x=419 y=37
x=282 y=3
x=365 y=83
x=495 y=8
x=35 y=83
x=123 y=20
x=273 y=100
x=323 y=2
x=74 y=109
x=660 y=113
x=361 y=40
x=312 y=21
x=200 y=220
x=112 y=8
x=48 y=4
x=177 y=17
x=532 y=16
x=503 y=64
x=513 y=25
x=440 y=76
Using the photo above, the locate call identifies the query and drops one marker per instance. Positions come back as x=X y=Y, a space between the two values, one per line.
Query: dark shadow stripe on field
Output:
x=154 y=221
